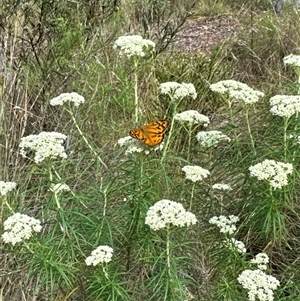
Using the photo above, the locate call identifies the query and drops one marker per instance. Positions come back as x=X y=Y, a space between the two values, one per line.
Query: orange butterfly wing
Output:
x=151 y=134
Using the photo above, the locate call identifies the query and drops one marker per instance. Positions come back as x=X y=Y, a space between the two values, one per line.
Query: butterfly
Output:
x=151 y=134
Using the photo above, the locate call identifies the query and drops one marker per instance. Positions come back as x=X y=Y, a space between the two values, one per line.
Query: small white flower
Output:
x=285 y=105
x=237 y=90
x=211 y=138
x=45 y=145
x=20 y=226
x=292 y=59
x=221 y=186
x=59 y=187
x=259 y=284
x=178 y=91
x=166 y=212
x=5 y=187
x=100 y=255
x=133 y=45
x=235 y=245
x=272 y=171
x=192 y=117
x=226 y=225
x=261 y=259
x=65 y=97
x=195 y=173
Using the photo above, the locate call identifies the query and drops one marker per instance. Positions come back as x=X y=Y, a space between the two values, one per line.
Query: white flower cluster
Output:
x=292 y=59
x=133 y=45
x=65 y=97
x=195 y=173
x=166 y=212
x=285 y=105
x=261 y=259
x=45 y=145
x=275 y=172
x=100 y=255
x=235 y=245
x=178 y=91
x=60 y=187
x=192 y=117
x=226 y=225
x=211 y=138
x=237 y=90
x=221 y=186
x=259 y=284
x=20 y=226
x=5 y=187
x=134 y=146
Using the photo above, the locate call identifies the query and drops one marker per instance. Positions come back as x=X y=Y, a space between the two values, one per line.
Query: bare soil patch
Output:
x=203 y=34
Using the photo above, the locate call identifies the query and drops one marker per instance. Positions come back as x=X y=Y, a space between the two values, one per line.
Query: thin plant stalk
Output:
x=189 y=141
x=285 y=126
x=136 y=97
x=85 y=140
x=167 y=141
x=298 y=92
x=174 y=111
x=5 y=201
x=168 y=252
x=249 y=130
x=104 y=191
x=229 y=103
x=55 y=193
x=192 y=196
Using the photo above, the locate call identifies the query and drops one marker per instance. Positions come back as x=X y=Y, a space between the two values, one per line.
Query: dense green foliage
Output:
x=52 y=47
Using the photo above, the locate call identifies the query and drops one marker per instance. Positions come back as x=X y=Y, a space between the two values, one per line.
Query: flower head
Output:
x=133 y=45
x=261 y=259
x=5 y=187
x=272 y=171
x=285 y=105
x=166 y=212
x=45 y=145
x=100 y=255
x=226 y=225
x=195 y=173
x=259 y=284
x=134 y=146
x=59 y=187
x=235 y=245
x=292 y=59
x=237 y=90
x=178 y=91
x=211 y=138
x=221 y=186
x=65 y=97
x=20 y=226
x=192 y=117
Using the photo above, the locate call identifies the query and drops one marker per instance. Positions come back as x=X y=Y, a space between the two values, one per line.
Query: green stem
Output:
x=136 y=98
x=192 y=196
x=104 y=272
x=285 y=126
x=229 y=103
x=12 y=211
x=55 y=193
x=298 y=79
x=167 y=141
x=104 y=207
x=84 y=139
x=189 y=141
x=168 y=251
x=249 y=130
